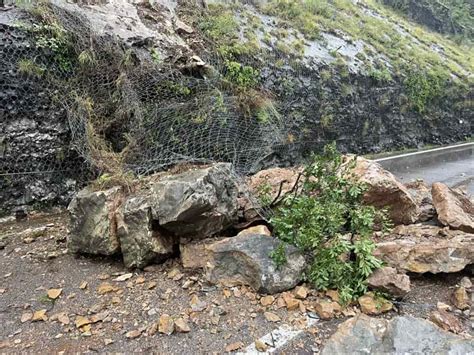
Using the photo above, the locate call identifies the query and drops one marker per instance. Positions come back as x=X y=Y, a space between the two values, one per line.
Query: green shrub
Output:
x=327 y=220
x=424 y=86
x=241 y=75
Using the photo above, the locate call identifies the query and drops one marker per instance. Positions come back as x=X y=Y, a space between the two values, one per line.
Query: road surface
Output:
x=452 y=165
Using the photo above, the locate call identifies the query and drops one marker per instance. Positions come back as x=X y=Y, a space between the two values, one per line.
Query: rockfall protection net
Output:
x=124 y=113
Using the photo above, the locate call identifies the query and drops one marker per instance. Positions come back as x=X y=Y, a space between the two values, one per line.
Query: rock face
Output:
x=93 y=224
x=421 y=248
x=387 y=279
x=454 y=209
x=401 y=335
x=385 y=191
x=140 y=244
x=197 y=203
x=245 y=260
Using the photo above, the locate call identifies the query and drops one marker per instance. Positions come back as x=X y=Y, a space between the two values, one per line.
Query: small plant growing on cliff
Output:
x=327 y=220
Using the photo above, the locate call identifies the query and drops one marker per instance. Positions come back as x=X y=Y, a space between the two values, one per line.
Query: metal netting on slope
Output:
x=127 y=114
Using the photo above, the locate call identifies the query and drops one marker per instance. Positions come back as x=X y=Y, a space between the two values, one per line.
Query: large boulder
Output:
x=196 y=203
x=385 y=191
x=93 y=224
x=401 y=335
x=454 y=209
x=140 y=242
x=423 y=248
x=245 y=260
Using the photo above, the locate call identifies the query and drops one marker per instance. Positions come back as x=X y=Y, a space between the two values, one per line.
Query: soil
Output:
x=34 y=262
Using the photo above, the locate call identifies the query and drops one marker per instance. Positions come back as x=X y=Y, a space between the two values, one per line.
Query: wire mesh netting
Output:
x=110 y=112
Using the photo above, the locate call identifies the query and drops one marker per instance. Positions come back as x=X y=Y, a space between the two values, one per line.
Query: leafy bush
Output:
x=327 y=220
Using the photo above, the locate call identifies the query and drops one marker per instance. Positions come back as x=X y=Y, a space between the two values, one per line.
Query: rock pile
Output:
x=194 y=212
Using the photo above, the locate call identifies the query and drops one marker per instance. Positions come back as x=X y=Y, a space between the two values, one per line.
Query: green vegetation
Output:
x=327 y=220
x=424 y=86
x=29 y=67
x=243 y=76
x=380 y=75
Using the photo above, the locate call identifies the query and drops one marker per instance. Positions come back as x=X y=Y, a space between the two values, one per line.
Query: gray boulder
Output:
x=196 y=203
x=245 y=260
x=93 y=223
x=140 y=243
x=401 y=335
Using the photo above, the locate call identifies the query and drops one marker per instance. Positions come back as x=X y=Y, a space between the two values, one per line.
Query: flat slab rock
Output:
x=400 y=335
x=245 y=260
x=422 y=248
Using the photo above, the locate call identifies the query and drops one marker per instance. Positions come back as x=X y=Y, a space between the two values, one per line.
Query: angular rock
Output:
x=269 y=182
x=140 y=244
x=93 y=226
x=196 y=203
x=194 y=254
x=461 y=298
x=401 y=335
x=421 y=248
x=385 y=191
x=421 y=193
x=446 y=321
x=373 y=305
x=166 y=324
x=387 y=279
x=327 y=309
x=260 y=229
x=453 y=208
x=245 y=260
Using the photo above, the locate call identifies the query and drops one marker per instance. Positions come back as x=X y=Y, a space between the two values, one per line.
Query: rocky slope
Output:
x=351 y=71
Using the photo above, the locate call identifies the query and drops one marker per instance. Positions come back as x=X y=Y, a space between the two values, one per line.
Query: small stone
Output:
x=446 y=321
x=63 y=318
x=187 y=284
x=301 y=292
x=40 y=316
x=82 y=321
x=106 y=287
x=271 y=317
x=267 y=301
x=25 y=317
x=372 y=305
x=326 y=309
x=261 y=346
x=181 y=326
x=443 y=307
x=234 y=347
x=465 y=282
x=333 y=294
x=197 y=305
x=387 y=279
x=108 y=341
x=54 y=293
x=166 y=324
x=140 y=280
x=124 y=277
x=151 y=285
x=460 y=298
x=261 y=229
x=133 y=334
x=83 y=285
x=292 y=304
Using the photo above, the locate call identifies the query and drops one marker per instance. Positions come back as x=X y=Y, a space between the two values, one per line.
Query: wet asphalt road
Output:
x=453 y=166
